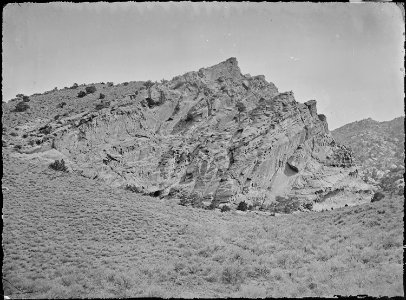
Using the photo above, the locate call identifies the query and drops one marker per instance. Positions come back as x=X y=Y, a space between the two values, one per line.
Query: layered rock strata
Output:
x=215 y=135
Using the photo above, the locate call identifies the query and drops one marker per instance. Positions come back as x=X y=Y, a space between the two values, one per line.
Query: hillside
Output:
x=66 y=236
x=379 y=150
x=209 y=138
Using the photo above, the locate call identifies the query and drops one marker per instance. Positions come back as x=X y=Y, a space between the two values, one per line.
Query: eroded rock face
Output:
x=214 y=135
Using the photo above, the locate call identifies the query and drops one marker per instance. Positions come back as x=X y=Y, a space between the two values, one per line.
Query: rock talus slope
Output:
x=213 y=136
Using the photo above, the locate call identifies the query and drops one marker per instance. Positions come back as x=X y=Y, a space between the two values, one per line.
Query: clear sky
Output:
x=347 y=56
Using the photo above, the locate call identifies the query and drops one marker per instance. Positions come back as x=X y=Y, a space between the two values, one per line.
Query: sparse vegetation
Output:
x=59 y=165
x=90 y=89
x=225 y=208
x=150 y=247
x=103 y=104
x=62 y=104
x=81 y=94
x=378 y=196
x=21 y=107
x=132 y=188
x=102 y=96
x=148 y=84
x=74 y=86
x=189 y=117
x=243 y=206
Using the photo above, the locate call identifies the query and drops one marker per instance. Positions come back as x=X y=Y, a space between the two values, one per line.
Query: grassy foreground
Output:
x=67 y=236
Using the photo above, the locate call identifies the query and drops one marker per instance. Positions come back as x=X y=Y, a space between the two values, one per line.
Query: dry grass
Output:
x=69 y=237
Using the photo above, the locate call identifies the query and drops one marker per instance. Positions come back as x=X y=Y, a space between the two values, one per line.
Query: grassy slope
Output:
x=67 y=236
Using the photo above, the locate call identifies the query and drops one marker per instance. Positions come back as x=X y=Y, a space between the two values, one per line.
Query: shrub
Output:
x=125 y=83
x=243 y=206
x=211 y=206
x=184 y=201
x=13 y=134
x=232 y=274
x=26 y=99
x=240 y=107
x=189 y=117
x=102 y=96
x=81 y=94
x=194 y=200
x=110 y=83
x=61 y=105
x=132 y=188
x=21 y=106
x=90 y=89
x=225 y=208
x=308 y=205
x=148 y=84
x=20 y=95
x=102 y=105
x=74 y=86
x=45 y=130
x=377 y=197
x=59 y=166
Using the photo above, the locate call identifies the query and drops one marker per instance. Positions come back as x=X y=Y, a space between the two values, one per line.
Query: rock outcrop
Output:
x=215 y=136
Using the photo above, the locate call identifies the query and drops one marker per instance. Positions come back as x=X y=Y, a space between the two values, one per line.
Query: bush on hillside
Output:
x=193 y=200
x=110 y=83
x=125 y=83
x=102 y=105
x=243 y=206
x=308 y=205
x=102 y=96
x=189 y=117
x=225 y=208
x=20 y=95
x=81 y=94
x=26 y=99
x=61 y=105
x=240 y=107
x=21 y=106
x=132 y=188
x=59 y=166
x=90 y=89
x=377 y=197
x=148 y=84
x=45 y=130
x=74 y=86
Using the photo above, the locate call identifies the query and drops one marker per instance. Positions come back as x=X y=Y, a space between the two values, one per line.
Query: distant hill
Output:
x=379 y=149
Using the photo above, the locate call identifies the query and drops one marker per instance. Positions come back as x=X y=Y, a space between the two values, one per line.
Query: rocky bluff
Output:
x=215 y=136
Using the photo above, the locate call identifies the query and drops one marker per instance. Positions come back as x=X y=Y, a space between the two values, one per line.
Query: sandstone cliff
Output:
x=212 y=136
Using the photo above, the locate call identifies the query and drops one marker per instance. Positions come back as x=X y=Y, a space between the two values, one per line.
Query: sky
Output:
x=347 y=56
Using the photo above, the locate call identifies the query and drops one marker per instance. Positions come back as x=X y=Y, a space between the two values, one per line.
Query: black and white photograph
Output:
x=203 y=150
